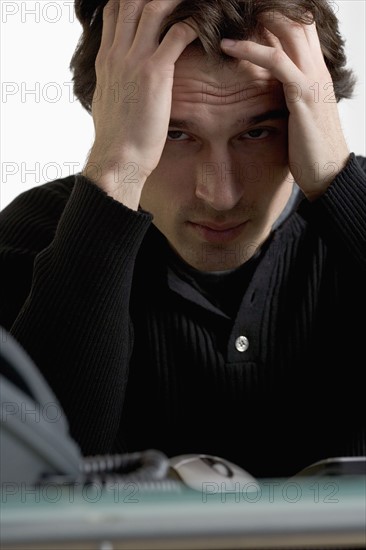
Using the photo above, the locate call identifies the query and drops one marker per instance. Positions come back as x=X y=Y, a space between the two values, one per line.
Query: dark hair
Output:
x=214 y=20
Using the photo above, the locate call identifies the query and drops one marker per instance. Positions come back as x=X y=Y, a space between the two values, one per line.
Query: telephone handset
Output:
x=35 y=442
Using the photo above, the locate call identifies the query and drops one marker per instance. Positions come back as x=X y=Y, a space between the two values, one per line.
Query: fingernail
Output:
x=228 y=43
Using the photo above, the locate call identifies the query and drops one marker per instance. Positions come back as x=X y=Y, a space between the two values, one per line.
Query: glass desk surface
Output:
x=326 y=512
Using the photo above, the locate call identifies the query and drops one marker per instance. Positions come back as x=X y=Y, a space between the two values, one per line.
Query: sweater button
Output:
x=242 y=344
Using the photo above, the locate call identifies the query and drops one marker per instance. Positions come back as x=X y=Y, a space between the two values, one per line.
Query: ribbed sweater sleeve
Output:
x=75 y=321
x=339 y=215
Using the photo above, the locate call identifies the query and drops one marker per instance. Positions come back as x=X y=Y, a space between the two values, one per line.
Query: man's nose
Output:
x=218 y=182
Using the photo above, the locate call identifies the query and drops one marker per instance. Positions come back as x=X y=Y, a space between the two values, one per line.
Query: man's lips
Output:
x=218 y=227
x=217 y=233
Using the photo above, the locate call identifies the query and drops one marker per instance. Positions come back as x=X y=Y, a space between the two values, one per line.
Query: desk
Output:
x=320 y=512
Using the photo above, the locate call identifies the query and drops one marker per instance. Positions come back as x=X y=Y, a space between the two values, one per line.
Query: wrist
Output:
x=122 y=180
x=323 y=177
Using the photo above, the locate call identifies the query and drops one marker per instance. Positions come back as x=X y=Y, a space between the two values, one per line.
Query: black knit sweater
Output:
x=137 y=364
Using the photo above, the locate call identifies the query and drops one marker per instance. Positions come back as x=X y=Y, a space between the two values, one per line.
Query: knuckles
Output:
x=156 y=7
x=181 y=31
x=111 y=9
x=278 y=57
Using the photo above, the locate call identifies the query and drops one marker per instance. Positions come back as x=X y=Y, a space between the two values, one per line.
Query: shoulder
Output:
x=42 y=197
x=361 y=161
x=34 y=214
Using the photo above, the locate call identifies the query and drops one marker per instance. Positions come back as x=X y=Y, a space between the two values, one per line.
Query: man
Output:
x=185 y=294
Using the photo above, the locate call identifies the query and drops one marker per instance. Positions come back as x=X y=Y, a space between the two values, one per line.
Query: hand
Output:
x=133 y=96
x=317 y=147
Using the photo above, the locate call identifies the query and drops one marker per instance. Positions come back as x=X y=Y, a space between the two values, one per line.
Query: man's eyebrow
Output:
x=262 y=117
x=185 y=124
x=256 y=119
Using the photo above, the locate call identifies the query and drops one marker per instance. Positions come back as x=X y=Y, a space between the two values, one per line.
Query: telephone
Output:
x=35 y=444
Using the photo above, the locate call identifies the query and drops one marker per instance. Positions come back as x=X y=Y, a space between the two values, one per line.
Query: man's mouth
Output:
x=217 y=233
x=218 y=226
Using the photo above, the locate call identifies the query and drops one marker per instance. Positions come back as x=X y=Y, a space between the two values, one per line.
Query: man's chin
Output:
x=216 y=257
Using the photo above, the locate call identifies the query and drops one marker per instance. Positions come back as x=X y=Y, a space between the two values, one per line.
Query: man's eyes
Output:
x=173 y=135
x=258 y=133
x=252 y=135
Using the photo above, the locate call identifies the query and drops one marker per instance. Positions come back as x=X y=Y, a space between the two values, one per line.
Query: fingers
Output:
x=269 y=39
x=129 y=15
x=273 y=59
x=291 y=34
x=133 y=26
x=314 y=42
x=120 y=20
x=110 y=14
x=291 y=52
x=299 y=41
x=174 y=43
x=146 y=40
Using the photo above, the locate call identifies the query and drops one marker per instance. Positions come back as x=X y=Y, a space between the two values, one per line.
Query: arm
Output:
x=292 y=54
x=340 y=213
x=75 y=321
x=130 y=135
x=333 y=182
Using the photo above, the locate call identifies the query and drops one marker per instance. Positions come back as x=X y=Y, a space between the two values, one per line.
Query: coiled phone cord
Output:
x=148 y=470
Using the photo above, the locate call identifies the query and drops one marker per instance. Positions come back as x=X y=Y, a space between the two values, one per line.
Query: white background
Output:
x=47 y=134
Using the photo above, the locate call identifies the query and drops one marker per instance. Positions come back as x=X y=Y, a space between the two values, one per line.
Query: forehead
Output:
x=199 y=80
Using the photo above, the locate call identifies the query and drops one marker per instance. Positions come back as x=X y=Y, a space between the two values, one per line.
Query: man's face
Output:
x=223 y=177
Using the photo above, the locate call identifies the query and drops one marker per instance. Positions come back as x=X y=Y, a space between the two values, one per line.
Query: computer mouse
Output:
x=212 y=474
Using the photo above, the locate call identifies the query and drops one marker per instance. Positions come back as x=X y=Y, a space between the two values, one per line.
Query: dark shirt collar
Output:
x=217 y=292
